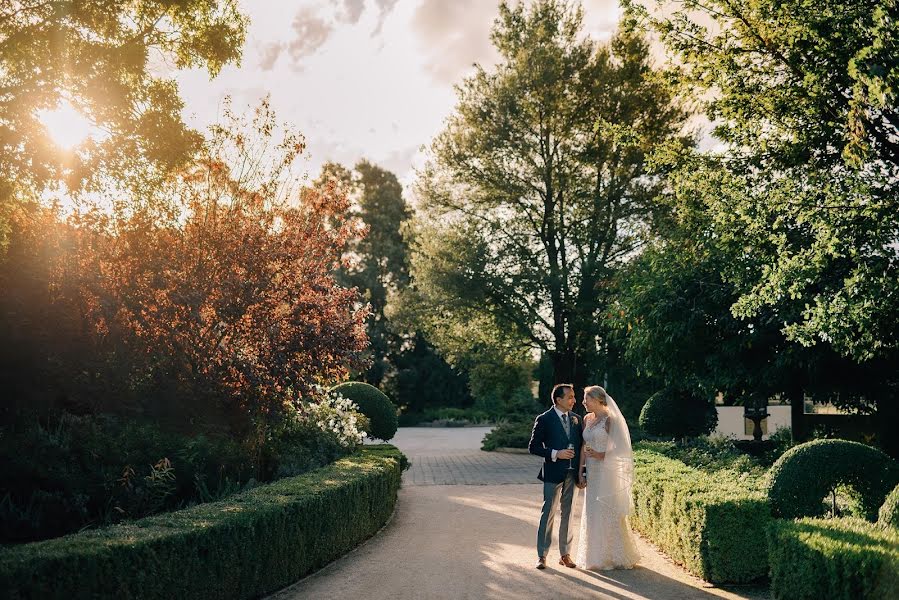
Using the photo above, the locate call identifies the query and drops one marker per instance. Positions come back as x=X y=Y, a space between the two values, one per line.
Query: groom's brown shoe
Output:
x=541 y=562
x=566 y=560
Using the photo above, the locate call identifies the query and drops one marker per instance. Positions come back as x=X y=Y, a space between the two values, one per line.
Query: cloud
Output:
x=385 y=7
x=455 y=35
x=269 y=55
x=311 y=30
x=352 y=10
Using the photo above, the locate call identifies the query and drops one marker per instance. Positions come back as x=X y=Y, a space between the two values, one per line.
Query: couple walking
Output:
x=593 y=453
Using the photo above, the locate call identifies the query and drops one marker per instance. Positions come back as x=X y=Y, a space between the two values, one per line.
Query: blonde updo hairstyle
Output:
x=596 y=393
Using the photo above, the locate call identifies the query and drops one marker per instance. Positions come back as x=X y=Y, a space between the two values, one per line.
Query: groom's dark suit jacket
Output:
x=549 y=435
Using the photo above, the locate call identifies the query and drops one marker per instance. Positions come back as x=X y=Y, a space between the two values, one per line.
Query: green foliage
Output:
x=536 y=189
x=674 y=413
x=843 y=559
x=83 y=471
x=710 y=454
x=805 y=99
x=100 y=57
x=888 y=515
x=809 y=474
x=205 y=551
x=373 y=404
x=509 y=434
x=707 y=524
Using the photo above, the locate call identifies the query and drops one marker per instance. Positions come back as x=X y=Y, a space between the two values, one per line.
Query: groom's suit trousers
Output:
x=553 y=493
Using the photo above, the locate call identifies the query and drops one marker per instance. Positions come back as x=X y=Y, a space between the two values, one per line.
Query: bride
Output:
x=606 y=541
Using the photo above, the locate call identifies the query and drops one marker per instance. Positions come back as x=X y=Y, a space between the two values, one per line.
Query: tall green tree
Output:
x=537 y=190
x=401 y=361
x=802 y=200
x=805 y=97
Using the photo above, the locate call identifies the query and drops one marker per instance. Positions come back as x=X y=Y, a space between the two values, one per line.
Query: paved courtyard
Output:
x=465 y=527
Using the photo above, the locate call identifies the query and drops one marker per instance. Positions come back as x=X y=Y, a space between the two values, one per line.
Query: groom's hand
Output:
x=581 y=483
x=565 y=454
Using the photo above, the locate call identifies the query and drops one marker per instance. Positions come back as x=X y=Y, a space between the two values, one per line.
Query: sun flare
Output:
x=66 y=126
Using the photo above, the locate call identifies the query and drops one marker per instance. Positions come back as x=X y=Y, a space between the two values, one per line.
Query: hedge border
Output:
x=701 y=522
x=840 y=559
x=248 y=545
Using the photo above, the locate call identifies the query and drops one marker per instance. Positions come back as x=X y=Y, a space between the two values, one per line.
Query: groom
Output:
x=554 y=431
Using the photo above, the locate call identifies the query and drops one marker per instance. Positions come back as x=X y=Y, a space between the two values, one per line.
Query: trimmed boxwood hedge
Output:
x=888 y=515
x=714 y=527
x=677 y=413
x=837 y=559
x=251 y=544
x=801 y=478
x=374 y=404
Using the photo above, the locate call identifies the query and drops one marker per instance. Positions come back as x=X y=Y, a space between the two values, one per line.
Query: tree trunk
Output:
x=567 y=369
x=797 y=413
x=887 y=420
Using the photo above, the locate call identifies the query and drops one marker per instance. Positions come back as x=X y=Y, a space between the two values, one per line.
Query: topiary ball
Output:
x=676 y=413
x=373 y=404
x=801 y=478
x=888 y=516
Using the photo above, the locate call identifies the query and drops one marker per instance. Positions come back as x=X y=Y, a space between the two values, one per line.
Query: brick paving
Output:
x=448 y=456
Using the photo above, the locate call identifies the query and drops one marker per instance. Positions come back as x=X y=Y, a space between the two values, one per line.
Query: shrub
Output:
x=801 y=478
x=247 y=546
x=888 y=515
x=704 y=523
x=677 y=414
x=373 y=404
x=96 y=470
x=708 y=453
x=840 y=559
x=510 y=434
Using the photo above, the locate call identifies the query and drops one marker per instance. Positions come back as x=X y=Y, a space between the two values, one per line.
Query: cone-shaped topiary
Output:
x=673 y=413
x=889 y=512
x=800 y=479
x=373 y=404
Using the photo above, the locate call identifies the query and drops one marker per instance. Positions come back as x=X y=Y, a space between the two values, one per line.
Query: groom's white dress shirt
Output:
x=561 y=416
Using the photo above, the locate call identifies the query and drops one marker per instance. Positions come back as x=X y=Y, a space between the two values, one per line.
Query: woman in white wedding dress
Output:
x=606 y=541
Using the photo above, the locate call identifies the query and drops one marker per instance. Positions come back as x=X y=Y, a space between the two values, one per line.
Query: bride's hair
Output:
x=596 y=392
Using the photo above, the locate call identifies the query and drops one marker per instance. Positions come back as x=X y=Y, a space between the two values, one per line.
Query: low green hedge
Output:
x=714 y=526
x=837 y=559
x=251 y=544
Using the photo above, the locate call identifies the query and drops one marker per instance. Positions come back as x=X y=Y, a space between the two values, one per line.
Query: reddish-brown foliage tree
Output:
x=211 y=297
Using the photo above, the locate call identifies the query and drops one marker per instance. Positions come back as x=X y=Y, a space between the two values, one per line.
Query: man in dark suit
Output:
x=555 y=433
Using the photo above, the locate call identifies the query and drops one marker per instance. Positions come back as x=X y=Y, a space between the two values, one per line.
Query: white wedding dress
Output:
x=606 y=541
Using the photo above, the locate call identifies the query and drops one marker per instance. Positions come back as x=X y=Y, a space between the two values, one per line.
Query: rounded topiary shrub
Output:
x=889 y=511
x=674 y=413
x=799 y=480
x=374 y=404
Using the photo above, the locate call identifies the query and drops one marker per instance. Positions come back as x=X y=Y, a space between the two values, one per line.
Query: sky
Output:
x=360 y=78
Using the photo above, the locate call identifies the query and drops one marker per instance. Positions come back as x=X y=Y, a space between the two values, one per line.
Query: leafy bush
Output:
x=804 y=475
x=244 y=547
x=677 y=414
x=510 y=434
x=888 y=515
x=94 y=470
x=842 y=559
x=373 y=404
x=708 y=453
x=196 y=303
x=701 y=522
